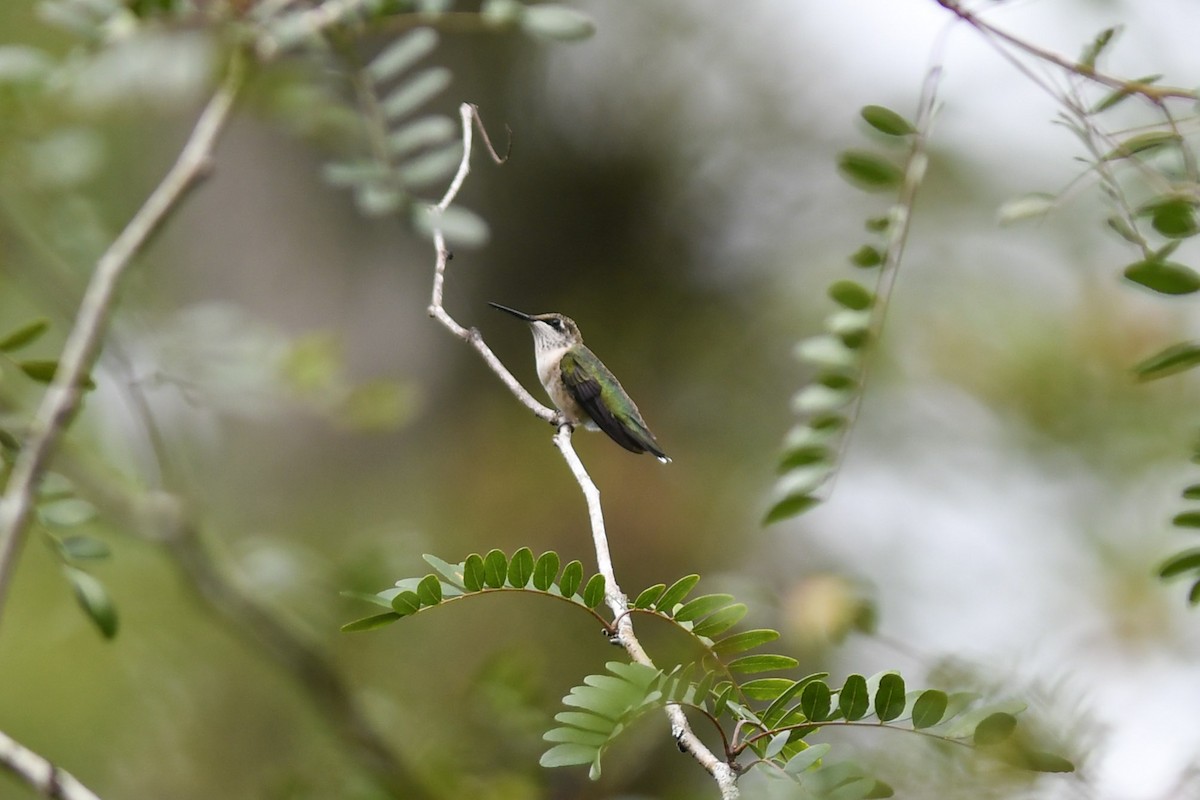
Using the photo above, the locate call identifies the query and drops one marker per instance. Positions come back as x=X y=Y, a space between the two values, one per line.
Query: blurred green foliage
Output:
x=275 y=420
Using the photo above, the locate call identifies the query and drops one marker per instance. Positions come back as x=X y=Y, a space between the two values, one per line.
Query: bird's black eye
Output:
x=556 y=324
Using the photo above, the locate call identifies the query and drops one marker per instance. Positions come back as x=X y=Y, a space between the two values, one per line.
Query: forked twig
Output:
x=616 y=600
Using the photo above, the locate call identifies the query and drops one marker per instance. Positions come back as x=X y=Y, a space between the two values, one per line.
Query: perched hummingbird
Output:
x=581 y=386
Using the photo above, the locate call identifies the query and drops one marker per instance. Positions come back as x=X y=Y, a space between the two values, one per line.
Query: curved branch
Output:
x=687 y=740
x=61 y=400
x=40 y=774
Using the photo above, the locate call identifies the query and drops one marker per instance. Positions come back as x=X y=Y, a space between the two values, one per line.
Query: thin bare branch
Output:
x=62 y=398
x=41 y=775
x=1153 y=93
x=469 y=115
x=616 y=600
x=618 y=603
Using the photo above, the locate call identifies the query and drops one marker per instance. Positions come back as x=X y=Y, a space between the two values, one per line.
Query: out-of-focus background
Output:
x=672 y=186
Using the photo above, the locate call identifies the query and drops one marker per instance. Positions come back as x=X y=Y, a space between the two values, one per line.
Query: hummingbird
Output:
x=581 y=386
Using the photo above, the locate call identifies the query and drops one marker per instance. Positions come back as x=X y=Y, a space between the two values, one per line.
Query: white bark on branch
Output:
x=616 y=600
x=41 y=775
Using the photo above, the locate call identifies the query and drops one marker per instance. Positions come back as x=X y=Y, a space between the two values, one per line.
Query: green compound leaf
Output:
x=572 y=576
x=869 y=171
x=545 y=570
x=606 y=705
x=593 y=593
x=887 y=121
x=520 y=569
x=495 y=569
x=675 y=593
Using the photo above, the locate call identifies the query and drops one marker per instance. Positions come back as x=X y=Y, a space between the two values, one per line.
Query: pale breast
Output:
x=551 y=378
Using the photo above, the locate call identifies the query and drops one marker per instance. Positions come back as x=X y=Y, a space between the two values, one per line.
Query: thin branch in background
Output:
x=616 y=600
x=1155 y=94
x=62 y=398
x=42 y=776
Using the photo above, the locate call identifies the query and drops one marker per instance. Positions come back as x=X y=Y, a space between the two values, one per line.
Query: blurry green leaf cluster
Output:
x=825 y=406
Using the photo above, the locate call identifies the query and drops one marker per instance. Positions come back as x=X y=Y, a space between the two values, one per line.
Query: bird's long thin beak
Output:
x=513 y=311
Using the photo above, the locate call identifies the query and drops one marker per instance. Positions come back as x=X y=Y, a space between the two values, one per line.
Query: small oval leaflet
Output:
x=869 y=171
x=852 y=699
x=1164 y=277
x=929 y=709
x=473 y=573
x=26 y=334
x=675 y=593
x=572 y=576
x=889 y=697
x=94 y=599
x=520 y=569
x=851 y=294
x=553 y=21
x=429 y=590
x=815 y=701
x=1180 y=563
x=887 y=121
x=593 y=593
x=1176 y=358
x=545 y=570
x=995 y=728
x=495 y=569
x=746 y=640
